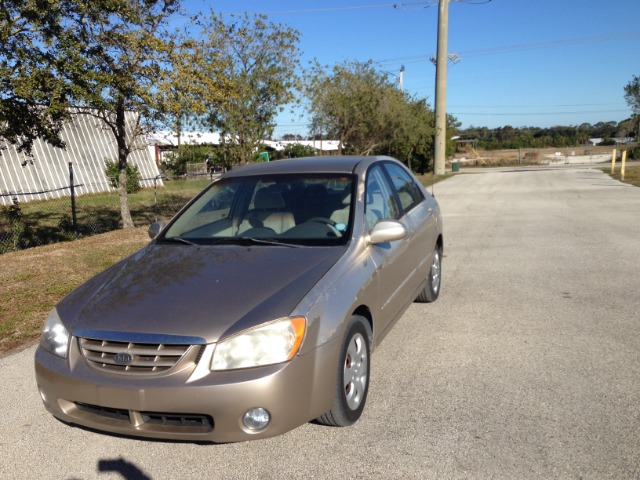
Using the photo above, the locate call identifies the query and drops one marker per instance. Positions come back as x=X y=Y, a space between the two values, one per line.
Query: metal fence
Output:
x=34 y=223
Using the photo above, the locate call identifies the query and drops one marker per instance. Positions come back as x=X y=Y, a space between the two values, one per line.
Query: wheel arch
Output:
x=365 y=312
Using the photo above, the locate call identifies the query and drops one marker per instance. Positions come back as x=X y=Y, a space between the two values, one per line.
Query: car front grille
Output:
x=150 y=419
x=177 y=419
x=136 y=358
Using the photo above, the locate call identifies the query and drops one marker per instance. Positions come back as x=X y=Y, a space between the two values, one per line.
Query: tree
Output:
x=369 y=115
x=259 y=59
x=632 y=96
x=113 y=53
x=292 y=136
x=295 y=150
x=195 y=84
x=33 y=99
x=347 y=102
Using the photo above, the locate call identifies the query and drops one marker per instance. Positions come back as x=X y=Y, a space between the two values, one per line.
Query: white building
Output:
x=45 y=173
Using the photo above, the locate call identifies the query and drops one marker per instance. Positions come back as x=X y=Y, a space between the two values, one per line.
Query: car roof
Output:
x=334 y=164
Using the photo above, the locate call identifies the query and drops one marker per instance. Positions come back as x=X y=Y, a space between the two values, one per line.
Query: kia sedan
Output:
x=255 y=310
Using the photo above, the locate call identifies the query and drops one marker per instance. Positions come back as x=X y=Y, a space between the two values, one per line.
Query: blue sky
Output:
x=522 y=62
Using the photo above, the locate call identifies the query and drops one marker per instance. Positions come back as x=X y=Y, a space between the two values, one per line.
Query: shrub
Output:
x=20 y=234
x=112 y=171
x=294 y=150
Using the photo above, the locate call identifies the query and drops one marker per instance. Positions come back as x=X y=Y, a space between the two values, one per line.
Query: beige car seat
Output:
x=267 y=213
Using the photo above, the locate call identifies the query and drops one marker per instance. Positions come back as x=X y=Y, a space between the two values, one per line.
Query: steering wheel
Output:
x=325 y=220
x=328 y=222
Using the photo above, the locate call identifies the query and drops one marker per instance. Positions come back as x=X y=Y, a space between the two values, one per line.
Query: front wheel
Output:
x=431 y=290
x=352 y=383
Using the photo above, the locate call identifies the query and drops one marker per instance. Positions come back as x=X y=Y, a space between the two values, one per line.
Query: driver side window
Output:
x=380 y=202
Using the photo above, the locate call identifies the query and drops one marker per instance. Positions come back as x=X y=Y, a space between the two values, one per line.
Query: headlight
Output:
x=55 y=337
x=274 y=342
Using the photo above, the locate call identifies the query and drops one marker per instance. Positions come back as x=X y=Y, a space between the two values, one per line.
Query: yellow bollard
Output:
x=613 y=162
x=624 y=160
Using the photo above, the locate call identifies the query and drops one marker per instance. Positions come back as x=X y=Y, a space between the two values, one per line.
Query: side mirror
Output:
x=156 y=228
x=387 y=231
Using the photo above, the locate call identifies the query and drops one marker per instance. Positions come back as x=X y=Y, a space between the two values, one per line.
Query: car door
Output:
x=392 y=261
x=418 y=212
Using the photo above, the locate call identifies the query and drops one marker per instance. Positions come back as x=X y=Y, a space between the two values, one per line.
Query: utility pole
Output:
x=401 y=78
x=441 y=88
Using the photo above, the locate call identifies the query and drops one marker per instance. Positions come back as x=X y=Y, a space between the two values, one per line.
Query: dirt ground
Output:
x=522 y=156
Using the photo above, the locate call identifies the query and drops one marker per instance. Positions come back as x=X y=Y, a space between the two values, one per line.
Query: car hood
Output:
x=208 y=292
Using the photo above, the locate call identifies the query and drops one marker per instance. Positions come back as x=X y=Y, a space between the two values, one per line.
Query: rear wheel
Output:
x=352 y=383
x=431 y=290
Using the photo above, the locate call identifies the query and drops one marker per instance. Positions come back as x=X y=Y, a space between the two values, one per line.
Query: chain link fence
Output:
x=30 y=224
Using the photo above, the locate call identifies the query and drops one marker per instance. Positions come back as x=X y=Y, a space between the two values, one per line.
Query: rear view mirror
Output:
x=156 y=228
x=387 y=231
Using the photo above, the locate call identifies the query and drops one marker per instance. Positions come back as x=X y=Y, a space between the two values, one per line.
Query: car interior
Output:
x=306 y=208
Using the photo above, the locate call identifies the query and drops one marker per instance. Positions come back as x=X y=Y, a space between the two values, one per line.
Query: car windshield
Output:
x=293 y=209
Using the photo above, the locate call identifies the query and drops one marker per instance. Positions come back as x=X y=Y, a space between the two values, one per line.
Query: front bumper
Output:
x=191 y=404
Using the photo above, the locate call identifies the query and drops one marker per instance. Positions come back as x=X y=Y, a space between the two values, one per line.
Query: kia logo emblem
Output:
x=123 y=358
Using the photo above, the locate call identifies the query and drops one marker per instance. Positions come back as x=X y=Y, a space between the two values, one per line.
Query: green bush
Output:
x=133 y=176
x=294 y=150
x=20 y=234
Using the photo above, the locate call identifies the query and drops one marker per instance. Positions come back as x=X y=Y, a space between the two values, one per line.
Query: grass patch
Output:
x=34 y=280
x=429 y=179
x=50 y=221
x=631 y=174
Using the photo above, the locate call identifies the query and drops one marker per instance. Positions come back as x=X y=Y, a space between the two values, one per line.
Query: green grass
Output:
x=50 y=221
x=631 y=174
x=34 y=280
x=429 y=179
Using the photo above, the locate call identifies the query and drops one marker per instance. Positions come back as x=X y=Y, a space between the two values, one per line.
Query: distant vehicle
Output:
x=253 y=311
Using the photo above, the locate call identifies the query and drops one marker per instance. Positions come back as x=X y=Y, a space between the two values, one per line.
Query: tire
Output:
x=431 y=290
x=352 y=384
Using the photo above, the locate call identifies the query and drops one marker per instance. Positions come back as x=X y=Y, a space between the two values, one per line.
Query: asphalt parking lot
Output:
x=528 y=366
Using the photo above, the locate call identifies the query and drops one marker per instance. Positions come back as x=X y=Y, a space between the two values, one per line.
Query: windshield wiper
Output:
x=181 y=240
x=253 y=241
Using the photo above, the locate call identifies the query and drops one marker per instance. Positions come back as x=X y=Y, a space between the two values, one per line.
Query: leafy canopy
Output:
x=366 y=112
x=259 y=59
x=33 y=98
x=632 y=94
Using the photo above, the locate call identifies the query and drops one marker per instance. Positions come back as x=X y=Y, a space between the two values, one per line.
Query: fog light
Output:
x=256 y=419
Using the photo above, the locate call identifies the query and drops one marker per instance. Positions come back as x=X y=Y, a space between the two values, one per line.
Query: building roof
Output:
x=166 y=138
x=170 y=139
x=322 y=145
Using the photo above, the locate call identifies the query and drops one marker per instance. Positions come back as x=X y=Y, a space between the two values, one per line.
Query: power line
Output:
x=535 y=106
x=548 y=44
x=401 y=5
x=428 y=3
x=469 y=2
x=518 y=47
x=510 y=114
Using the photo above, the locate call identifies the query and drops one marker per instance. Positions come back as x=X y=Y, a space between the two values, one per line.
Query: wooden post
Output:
x=624 y=160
